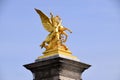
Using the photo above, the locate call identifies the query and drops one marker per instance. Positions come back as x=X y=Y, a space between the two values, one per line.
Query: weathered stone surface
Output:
x=57 y=69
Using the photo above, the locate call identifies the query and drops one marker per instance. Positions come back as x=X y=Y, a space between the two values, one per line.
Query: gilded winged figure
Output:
x=57 y=35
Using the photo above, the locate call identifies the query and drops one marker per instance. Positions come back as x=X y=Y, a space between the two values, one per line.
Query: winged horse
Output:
x=54 y=26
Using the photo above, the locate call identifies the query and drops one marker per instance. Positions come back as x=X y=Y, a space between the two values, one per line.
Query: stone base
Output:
x=57 y=68
x=57 y=53
x=43 y=58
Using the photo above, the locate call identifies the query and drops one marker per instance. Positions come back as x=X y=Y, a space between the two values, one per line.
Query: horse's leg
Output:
x=64 y=47
x=66 y=36
x=43 y=44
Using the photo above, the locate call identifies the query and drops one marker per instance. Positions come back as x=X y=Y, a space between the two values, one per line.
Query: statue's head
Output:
x=57 y=19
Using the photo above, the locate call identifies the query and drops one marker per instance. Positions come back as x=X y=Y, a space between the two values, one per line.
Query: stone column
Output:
x=57 y=68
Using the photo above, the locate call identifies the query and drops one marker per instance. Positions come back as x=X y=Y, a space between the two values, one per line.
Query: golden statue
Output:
x=55 y=41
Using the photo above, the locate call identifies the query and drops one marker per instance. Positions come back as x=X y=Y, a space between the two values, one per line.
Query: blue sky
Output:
x=95 y=39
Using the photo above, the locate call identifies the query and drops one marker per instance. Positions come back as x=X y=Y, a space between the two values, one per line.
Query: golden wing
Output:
x=45 y=21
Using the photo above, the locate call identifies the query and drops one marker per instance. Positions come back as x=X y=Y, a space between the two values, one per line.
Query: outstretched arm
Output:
x=51 y=14
x=51 y=18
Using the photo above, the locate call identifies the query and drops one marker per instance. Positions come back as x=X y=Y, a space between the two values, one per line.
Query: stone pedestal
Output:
x=57 y=68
